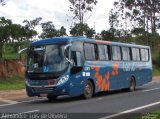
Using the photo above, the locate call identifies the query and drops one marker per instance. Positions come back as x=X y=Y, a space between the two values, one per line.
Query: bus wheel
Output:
x=88 y=90
x=132 y=85
x=51 y=98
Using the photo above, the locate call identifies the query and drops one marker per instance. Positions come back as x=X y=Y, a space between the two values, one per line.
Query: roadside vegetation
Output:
x=152 y=115
x=12 y=83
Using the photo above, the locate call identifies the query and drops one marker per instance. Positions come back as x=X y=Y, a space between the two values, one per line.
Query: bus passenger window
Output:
x=89 y=51
x=135 y=54
x=144 y=55
x=101 y=52
x=106 y=52
x=116 y=53
x=126 y=54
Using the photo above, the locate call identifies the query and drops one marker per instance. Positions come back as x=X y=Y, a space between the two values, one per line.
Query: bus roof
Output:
x=61 y=40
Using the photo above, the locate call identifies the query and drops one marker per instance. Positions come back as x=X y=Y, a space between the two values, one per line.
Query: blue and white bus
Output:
x=80 y=66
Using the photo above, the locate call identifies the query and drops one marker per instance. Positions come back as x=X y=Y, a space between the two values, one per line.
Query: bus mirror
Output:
x=20 y=55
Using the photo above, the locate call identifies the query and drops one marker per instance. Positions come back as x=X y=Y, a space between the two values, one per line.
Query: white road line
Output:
x=19 y=113
x=100 y=98
x=21 y=102
x=131 y=110
x=150 y=89
x=8 y=101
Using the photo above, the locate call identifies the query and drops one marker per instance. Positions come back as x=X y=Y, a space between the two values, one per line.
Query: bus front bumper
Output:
x=43 y=91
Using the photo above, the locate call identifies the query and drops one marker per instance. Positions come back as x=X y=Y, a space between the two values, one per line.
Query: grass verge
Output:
x=156 y=71
x=149 y=115
x=13 y=83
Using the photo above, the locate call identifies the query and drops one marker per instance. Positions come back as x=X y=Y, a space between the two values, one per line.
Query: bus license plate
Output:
x=43 y=95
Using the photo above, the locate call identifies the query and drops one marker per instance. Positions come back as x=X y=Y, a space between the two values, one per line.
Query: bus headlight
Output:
x=63 y=80
x=26 y=82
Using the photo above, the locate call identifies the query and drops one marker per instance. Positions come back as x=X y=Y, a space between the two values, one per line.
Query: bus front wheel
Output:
x=88 y=90
x=132 y=85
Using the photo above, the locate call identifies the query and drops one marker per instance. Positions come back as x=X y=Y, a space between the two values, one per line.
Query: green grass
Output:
x=9 y=52
x=149 y=115
x=156 y=71
x=158 y=112
x=10 y=56
x=13 y=83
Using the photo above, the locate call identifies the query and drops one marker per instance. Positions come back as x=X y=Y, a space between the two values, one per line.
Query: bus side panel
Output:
x=99 y=72
x=123 y=75
x=76 y=85
x=106 y=75
x=144 y=74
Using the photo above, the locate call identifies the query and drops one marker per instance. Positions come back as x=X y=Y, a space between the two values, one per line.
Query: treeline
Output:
x=130 y=21
x=20 y=36
x=17 y=35
x=136 y=21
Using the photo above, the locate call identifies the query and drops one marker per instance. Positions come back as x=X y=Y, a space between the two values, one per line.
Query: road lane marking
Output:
x=150 y=90
x=131 y=110
x=20 y=113
x=100 y=98
x=21 y=102
x=8 y=101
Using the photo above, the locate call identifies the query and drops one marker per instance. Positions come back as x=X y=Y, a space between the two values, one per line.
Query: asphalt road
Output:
x=115 y=104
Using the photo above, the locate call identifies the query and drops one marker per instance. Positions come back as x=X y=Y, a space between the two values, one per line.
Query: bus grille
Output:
x=43 y=90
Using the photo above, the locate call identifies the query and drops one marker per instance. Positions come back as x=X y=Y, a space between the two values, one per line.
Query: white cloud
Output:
x=55 y=11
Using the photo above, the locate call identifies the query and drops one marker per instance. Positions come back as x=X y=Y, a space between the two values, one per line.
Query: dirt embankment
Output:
x=10 y=68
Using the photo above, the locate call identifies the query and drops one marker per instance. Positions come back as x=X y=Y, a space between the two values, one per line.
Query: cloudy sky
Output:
x=55 y=11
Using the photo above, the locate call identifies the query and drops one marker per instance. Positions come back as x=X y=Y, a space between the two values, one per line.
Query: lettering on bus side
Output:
x=129 y=66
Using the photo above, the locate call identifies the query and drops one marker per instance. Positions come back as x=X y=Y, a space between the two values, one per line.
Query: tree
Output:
x=138 y=31
x=106 y=35
x=17 y=35
x=113 y=21
x=90 y=32
x=82 y=8
x=82 y=29
x=30 y=27
x=62 y=31
x=48 y=30
x=142 y=12
x=5 y=33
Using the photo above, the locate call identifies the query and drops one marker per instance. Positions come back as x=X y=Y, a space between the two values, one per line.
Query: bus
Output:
x=77 y=66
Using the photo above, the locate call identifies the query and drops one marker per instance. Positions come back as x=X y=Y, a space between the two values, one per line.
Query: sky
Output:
x=55 y=11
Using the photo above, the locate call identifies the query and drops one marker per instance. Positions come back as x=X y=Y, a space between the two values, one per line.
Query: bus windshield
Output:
x=46 y=58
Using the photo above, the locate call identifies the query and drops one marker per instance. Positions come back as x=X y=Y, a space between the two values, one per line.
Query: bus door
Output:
x=76 y=74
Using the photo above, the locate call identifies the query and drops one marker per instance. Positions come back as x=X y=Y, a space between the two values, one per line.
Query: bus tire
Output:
x=51 y=98
x=132 y=85
x=88 y=90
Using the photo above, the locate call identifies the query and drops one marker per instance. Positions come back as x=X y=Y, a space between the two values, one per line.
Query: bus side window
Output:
x=77 y=62
x=76 y=57
x=126 y=53
x=90 y=51
x=135 y=54
x=116 y=53
x=101 y=52
x=144 y=55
